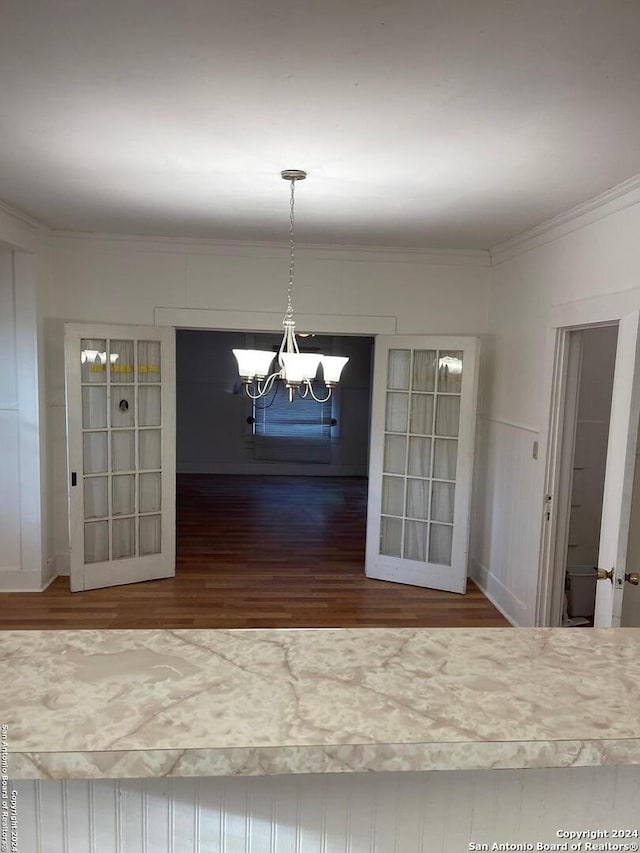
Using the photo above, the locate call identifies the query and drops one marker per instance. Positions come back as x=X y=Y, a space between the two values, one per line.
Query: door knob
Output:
x=601 y=574
x=632 y=578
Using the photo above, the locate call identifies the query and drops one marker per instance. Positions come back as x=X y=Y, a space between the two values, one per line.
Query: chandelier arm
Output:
x=269 y=381
x=261 y=389
x=271 y=401
x=250 y=395
x=318 y=399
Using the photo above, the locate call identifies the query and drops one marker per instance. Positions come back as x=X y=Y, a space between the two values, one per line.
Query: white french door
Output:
x=120 y=397
x=420 y=475
x=618 y=483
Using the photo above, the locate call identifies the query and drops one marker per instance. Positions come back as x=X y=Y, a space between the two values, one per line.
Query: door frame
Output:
x=622 y=309
x=332 y=324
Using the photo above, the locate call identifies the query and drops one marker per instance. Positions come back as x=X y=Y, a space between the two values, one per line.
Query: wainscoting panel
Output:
x=350 y=813
x=506 y=519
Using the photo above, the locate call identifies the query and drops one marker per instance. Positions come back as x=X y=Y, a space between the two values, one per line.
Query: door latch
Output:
x=74 y=479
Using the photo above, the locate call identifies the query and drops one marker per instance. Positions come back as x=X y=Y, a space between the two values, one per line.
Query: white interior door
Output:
x=618 y=484
x=420 y=473
x=631 y=597
x=120 y=395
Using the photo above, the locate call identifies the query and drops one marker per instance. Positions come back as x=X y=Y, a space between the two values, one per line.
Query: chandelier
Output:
x=298 y=370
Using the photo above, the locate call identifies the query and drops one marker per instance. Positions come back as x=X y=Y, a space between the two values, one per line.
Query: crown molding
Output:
x=22 y=217
x=617 y=198
x=195 y=245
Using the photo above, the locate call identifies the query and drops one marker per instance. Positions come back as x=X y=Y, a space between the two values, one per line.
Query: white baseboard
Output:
x=62 y=564
x=502 y=599
x=24 y=580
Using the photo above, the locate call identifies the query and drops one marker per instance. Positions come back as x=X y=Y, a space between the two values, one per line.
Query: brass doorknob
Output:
x=632 y=578
x=602 y=574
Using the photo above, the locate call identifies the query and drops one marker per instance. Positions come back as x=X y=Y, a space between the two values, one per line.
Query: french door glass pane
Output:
x=94 y=408
x=419 y=456
x=450 y=371
x=123 y=500
x=96 y=498
x=96 y=541
x=121 y=395
x=124 y=538
x=121 y=361
x=149 y=449
x=423 y=397
x=447 y=415
x=94 y=452
x=442 y=501
x=421 y=414
x=149 y=361
x=391 y=536
x=445 y=458
x=418 y=498
x=393 y=495
x=424 y=370
x=399 y=366
x=415 y=540
x=395 y=451
x=149 y=411
x=123 y=456
x=397 y=412
x=150 y=540
x=150 y=492
x=440 y=544
x=122 y=406
x=93 y=360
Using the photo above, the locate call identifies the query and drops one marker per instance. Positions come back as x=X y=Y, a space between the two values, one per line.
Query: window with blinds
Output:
x=292 y=432
x=303 y=418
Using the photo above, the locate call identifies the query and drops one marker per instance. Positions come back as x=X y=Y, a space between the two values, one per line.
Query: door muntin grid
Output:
x=422 y=421
x=122 y=447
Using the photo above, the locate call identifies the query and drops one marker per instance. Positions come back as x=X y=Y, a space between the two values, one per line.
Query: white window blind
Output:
x=301 y=419
x=292 y=432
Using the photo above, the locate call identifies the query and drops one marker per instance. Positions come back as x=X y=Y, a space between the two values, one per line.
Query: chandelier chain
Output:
x=292 y=252
x=297 y=370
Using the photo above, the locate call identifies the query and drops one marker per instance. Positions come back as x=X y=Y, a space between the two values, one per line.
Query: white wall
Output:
x=10 y=552
x=600 y=256
x=22 y=430
x=111 y=280
x=436 y=812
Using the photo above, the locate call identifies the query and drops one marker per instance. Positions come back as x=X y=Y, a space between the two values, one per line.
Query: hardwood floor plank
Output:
x=259 y=552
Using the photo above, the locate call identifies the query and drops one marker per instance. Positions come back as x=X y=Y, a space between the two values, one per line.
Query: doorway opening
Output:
x=584 y=443
x=220 y=430
x=596 y=350
x=270 y=495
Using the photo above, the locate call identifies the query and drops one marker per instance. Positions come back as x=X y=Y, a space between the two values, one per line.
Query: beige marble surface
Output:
x=118 y=704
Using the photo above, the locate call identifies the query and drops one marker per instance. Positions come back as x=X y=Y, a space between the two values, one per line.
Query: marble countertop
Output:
x=119 y=704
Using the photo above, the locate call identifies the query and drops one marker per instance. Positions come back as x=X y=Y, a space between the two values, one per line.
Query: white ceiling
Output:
x=422 y=123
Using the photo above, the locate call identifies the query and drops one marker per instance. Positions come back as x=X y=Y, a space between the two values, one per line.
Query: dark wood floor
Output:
x=277 y=552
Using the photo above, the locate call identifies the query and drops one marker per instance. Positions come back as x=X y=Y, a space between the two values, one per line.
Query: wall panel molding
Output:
x=358 y=813
x=506 y=520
